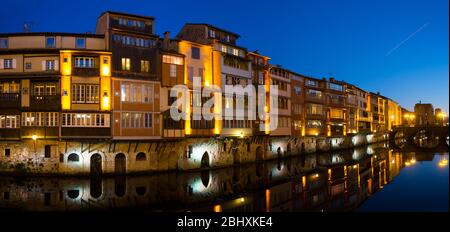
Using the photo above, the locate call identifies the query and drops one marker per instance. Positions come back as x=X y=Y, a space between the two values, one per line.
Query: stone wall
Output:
x=82 y=158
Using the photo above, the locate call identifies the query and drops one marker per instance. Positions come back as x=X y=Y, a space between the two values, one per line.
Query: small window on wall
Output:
x=80 y=42
x=28 y=65
x=126 y=64
x=195 y=53
x=47 y=152
x=141 y=156
x=73 y=158
x=50 y=42
x=4 y=43
x=7 y=152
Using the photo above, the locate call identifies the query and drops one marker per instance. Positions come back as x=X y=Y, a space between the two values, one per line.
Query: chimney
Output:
x=332 y=79
x=378 y=93
x=166 y=43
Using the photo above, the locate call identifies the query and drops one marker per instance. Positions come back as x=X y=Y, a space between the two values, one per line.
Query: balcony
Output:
x=313 y=98
x=9 y=100
x=41 y=132
x=9 y=133
x=45 y=102
x=85 y=132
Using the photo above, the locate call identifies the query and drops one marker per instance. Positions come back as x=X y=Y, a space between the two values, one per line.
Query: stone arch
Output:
x=96 y=171
x=259 y=156
x=73 y=157
x=73 y=193
x=205 y=162
x=96 y=165
x=173 y=161
x=279 y=152
x=120 y=164
x=141 y=156
x=205 y=177
x=236 y=155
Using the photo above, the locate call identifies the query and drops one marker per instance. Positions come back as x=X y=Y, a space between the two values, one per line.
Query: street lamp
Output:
x=34 y=137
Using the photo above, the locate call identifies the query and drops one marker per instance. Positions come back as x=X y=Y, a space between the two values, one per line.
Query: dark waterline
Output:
x=374 y=178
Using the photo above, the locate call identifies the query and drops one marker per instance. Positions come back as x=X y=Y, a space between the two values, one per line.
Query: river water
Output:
x=373 y=178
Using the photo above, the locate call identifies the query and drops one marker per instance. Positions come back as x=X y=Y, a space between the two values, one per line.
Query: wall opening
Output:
x=205 y=160
x=120 y=164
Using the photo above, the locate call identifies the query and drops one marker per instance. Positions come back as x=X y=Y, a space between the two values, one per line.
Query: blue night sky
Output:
x=399 y=48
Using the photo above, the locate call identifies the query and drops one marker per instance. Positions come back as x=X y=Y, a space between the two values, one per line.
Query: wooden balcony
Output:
x=9 y=134
x=41 y=132
x=85 y=132
x=45 y=102
x=86 y=72
x=9 y=100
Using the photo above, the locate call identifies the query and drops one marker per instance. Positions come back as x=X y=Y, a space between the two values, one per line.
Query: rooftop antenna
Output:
x=27 y=26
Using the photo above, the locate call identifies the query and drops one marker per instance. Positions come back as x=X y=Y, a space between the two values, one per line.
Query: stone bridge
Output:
x=408 y=134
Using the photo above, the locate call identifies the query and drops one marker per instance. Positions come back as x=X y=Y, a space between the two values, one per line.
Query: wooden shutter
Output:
x=56 y=65
x=43 y=65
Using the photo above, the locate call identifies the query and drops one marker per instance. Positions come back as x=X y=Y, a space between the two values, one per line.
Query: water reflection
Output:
x=338 y=181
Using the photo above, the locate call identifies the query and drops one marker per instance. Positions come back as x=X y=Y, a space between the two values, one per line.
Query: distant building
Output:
x=424 y=114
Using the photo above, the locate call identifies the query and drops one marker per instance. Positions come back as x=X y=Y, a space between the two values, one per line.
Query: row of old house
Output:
x=115 y=85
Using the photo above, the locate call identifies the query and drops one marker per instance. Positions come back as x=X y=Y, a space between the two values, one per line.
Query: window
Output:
x=212 y=34
x=126 y=64
x=297 y=90
x=92 y=93
x=173 y=70
x=3 y=42
x=141 y=156
x=7 y=152
x=49 y=65
x=9 y=121
x=80 y=42
x=311 y=83
x=235 y=52
x=137 y=120
x=85 y=93
x=73 y=158
x=336 y=113
x=336 y=87
x=52 y=119
x=8 y=63
x=136 y=93
x=195 y=53
x=85 y=120
x=27 y=65
x=314 y=93
x=84 y=62
x=173 y=60
x=297 y=125
x=50 y=42
x=190 y=73
x=224 y=48
x=145 y=66
x=314 y=109
x=47 y=151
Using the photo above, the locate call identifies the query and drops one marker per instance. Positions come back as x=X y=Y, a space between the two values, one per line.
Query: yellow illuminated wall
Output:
x=66 y=72
x=105 y=76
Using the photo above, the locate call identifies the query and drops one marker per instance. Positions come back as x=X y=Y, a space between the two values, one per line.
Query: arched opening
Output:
x=204 y=175
x=279 y=152
x=120 y=183
x=141 y=156
x=95 y=188
x=236 y=155
x=120 y=164
x=259 y=154
x=205 y=160
x=173 y=161
x=141 y=190
x=73 y=194
x=73 y=158
x=96 y=165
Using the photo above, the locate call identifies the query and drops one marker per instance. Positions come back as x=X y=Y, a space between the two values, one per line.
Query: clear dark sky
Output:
x=397 y=47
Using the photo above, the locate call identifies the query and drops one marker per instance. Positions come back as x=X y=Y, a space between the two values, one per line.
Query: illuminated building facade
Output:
x=282 y=78
x=315 y=106
x=54 y=85
x=336 y=108
x=234 y=69
x=135 y=82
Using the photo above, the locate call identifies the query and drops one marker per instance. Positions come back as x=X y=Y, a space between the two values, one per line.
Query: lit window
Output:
x=145 y=66
x=84 y=62
x=173 y=70
x=172 y=60
x=50 y=65
x=126 y=64
x=8 y=63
